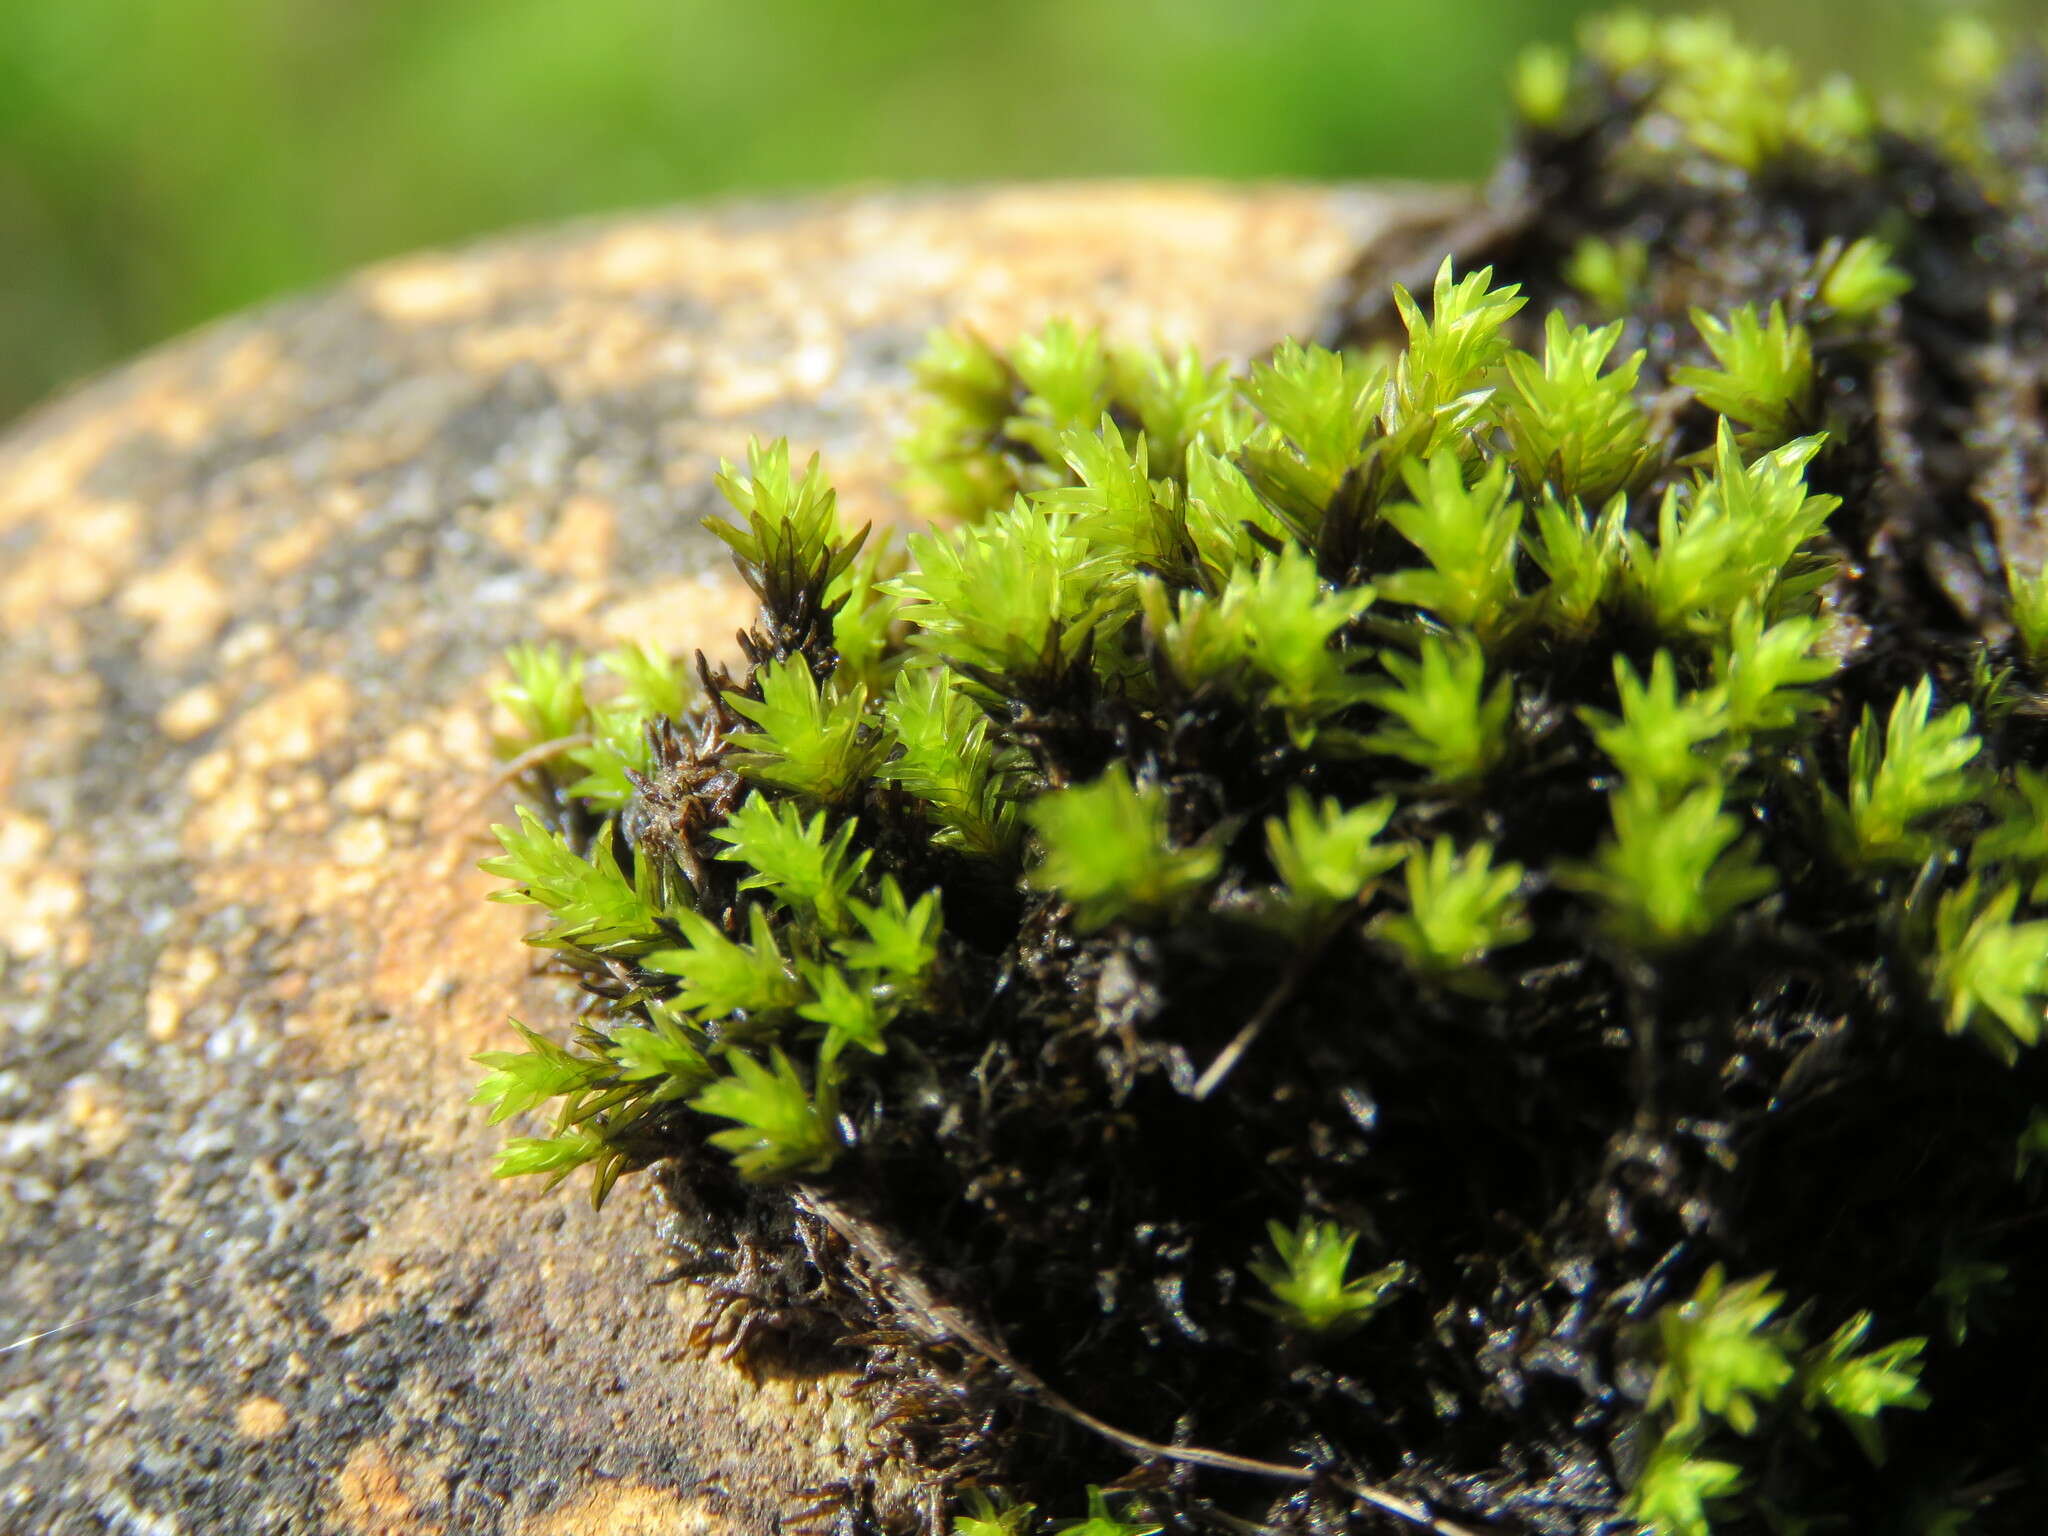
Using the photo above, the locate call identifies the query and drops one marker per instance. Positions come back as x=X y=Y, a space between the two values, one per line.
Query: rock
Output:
x=255 y=588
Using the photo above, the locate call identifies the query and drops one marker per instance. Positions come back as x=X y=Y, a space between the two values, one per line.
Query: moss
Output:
x=1444 y=932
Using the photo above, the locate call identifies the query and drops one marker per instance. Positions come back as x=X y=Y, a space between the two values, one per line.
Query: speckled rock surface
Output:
x=253 y=589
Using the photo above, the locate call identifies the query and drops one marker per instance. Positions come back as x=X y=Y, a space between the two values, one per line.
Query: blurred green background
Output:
x=163 y=161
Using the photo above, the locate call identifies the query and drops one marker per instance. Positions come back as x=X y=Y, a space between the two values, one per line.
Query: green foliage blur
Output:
x=164 y=161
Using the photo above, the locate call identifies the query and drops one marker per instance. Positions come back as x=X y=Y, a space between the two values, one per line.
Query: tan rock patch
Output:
x=566 y=612
x=371 y=1498
x=625 y=1509
x=261 y=1418
x=361 y=841
x=425 y=290
x=184 y=604
x=509 y=525
x=181 y=979
x=295 y=725
x=94 y=1109
x=83 y=566
x=41 y=902
x=284 y=553
x=192 y=713
x=679 y=616
x=49 y=473
x=378 y=786
x=583 y=541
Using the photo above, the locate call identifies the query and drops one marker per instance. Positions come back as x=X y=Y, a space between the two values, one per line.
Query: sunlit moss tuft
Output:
x=1548 y=797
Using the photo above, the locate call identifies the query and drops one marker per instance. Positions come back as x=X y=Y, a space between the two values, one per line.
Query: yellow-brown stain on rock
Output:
x=585 y=347
x=568 y=610
x=580 y=540
x=431 y=289
x=184 y=604
x=370 y=1497
x=261 y=1418
x=286 y=552
x=626 y=1509
x=361 y=841
x=162 y=397
x=74 y=566
x=583 y=540
x=393 y=1277
x=94 y=1109
x=247 y=786
x=48 y=476
x=41 y=901
x=680 y=616
x=180 y=980
x=391 y=783
x=295 y=725
x=191 y=714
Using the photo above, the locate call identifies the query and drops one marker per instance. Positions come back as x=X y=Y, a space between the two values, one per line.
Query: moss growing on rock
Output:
x=1440 y=935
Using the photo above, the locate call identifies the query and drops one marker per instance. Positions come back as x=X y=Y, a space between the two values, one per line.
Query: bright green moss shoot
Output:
x=1238 y=573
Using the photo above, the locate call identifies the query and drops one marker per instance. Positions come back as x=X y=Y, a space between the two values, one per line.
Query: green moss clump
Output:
x=1441 y=934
